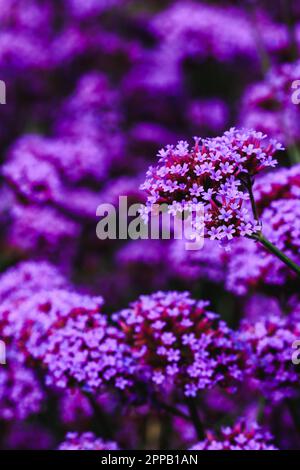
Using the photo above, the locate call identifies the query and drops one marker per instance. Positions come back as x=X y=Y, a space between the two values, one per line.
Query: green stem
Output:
x=252 y=200
x=275 y=251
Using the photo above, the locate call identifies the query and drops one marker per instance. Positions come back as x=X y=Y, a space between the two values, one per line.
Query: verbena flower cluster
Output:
x=214 y=172
x=269 y=341
x=67 y=333
x=238 y=437
x=268 y=106
x=177 y=341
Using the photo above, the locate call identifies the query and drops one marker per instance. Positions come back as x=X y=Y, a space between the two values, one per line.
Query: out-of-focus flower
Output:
x=208 y=115
x=260 y=305
x=250 y=265
x=66 y=333
x=31 y=178
x=207 y=264
x=20 y=392
x=86 y=350
x=241 y=436
x=20 y=283
x=56 y=181
x=224 y=33
x=84 y=9
x=43 y=232
x=147 y=137
x=177 y=341
x=123 y=186
x=24 y=435
x=86 y=441
x=28 y=277
x=283 y=183
x=25 y=34
x=74 y=160
x=92 y=114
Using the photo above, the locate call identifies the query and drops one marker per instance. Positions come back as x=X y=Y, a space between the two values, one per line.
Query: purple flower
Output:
x=210 y=115
x=74 y=407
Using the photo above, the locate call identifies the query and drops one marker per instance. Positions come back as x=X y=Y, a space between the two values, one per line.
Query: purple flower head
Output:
x=269 y=342
x=28 y=277
x=24 y=435
x=251 y=266
x=74 y=160
x=74 y=407
x=214 y=173
x=86 y=350
x=209 y=263
x=209 y=114
x=25 y=34
x=241 y=436
x=31 y=320
x=176 y=340
x=30 y=177
x=20 y=283
x=84 y=9
x=86 y=441
x=225 y=33
x=268 y=106
x=67 y=334
x=21 y=394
